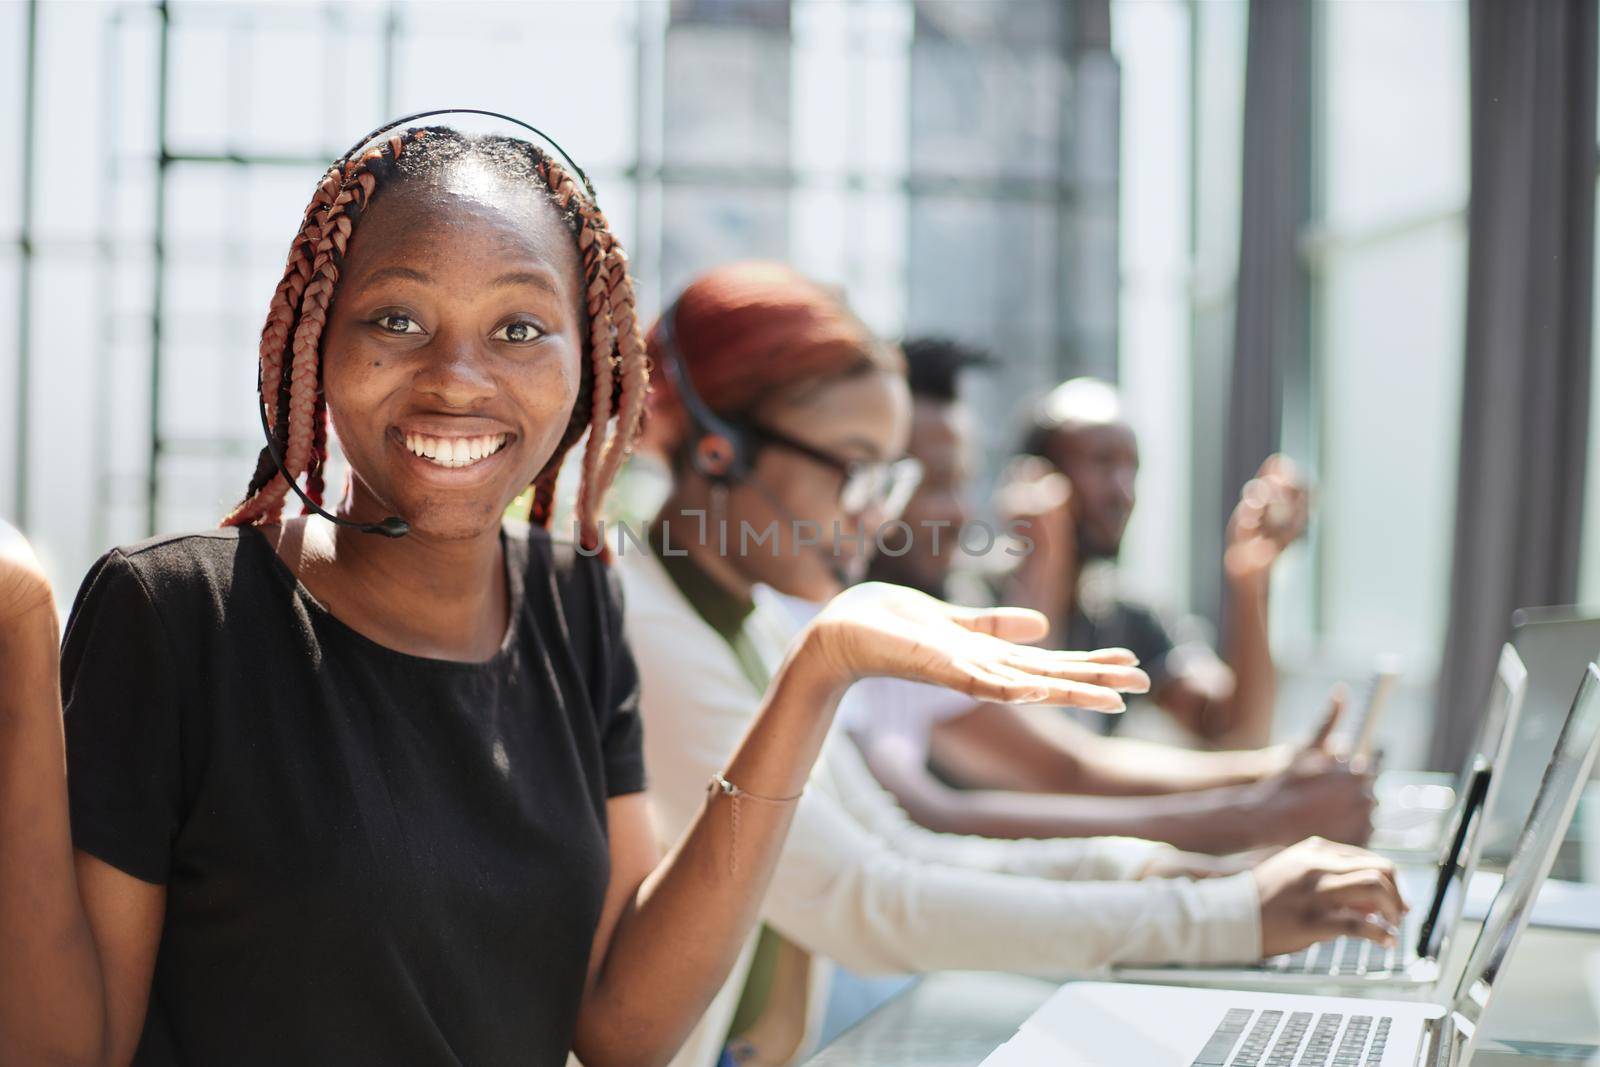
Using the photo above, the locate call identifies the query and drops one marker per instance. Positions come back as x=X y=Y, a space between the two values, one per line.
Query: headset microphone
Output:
x=393 y=526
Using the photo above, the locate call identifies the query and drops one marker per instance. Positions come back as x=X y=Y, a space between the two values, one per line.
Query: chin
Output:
x=452 y=522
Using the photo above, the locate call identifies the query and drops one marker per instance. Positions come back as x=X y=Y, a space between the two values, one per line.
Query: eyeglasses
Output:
x=886 y=484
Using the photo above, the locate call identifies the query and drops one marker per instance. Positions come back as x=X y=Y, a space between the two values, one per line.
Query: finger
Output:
x=1035 y=688
x=1103 y=655
x=1110 y=676
x=980 y=683
x=1338 y=698
x=1361 y=891
x=1022 y=687
x=1062 y=693
x=1008 y=624
x=1361 y=926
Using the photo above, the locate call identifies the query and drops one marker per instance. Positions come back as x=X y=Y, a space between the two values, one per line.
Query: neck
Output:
x=692 y=528
x=444 y=599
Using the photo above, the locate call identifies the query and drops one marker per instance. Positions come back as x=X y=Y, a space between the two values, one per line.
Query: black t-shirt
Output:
x=1120 y=623
x=370 y=857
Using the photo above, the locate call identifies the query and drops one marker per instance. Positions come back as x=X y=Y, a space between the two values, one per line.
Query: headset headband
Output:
x=545 y=137
x=673 y=365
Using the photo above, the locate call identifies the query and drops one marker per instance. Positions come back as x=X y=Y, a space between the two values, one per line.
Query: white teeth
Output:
x=454 y=451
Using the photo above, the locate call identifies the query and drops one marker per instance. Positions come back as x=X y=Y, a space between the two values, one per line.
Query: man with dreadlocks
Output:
x=335 y=798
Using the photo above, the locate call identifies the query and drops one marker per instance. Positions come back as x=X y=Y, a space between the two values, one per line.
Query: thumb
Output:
x=1338 y=698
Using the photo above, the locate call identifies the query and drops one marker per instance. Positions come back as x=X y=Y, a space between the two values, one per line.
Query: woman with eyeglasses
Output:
x=785 y=421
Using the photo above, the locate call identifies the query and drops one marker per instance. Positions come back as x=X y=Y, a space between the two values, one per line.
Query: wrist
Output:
x=1245 y=571
x=816 y=666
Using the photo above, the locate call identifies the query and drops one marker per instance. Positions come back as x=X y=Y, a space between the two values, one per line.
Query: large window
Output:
x=951 y=164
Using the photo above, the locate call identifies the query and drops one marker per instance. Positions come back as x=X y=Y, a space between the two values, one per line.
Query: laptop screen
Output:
x=1475 y=792
x=1534 y=852
x=1555 y=643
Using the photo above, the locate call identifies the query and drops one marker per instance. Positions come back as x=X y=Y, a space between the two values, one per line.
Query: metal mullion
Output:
x=158 y=271
x=25 y=266
x=105 y=283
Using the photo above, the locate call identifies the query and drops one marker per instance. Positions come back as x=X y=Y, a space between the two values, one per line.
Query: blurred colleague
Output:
x=1032 y=761
x=787 y=421
x=1079 y=429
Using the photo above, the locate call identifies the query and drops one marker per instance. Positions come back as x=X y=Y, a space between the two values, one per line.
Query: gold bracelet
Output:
x=719 y=784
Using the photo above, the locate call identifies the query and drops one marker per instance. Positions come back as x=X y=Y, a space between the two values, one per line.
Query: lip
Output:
x=454 y=477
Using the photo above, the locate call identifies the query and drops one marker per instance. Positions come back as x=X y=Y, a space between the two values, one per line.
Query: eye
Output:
x=520 y=332
x=397 y=323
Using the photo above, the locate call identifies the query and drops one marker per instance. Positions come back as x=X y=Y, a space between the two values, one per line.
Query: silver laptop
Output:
x=1555 y=643
x=1425 y=935
x=1093 y=1024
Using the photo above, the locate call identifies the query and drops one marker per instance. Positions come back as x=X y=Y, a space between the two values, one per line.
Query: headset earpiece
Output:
x=715 y=456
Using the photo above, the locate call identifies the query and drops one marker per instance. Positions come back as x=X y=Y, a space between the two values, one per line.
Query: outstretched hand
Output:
x=880 y=629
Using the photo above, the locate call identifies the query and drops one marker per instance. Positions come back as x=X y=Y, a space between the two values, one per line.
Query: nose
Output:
x=1125 y=482
x=455 y=371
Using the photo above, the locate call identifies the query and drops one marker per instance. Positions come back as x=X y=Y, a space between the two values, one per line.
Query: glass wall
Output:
x=951 y=164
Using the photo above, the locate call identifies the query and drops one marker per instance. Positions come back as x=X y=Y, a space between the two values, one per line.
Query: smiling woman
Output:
x=338 y=798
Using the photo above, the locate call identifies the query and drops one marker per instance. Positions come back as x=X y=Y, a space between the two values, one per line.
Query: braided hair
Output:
x=615 y=373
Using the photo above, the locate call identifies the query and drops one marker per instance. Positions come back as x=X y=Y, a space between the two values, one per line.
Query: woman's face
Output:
x=452 y=354
x=864 y=418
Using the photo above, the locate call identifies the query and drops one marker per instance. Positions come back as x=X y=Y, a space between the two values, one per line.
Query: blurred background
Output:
x=1259 y=218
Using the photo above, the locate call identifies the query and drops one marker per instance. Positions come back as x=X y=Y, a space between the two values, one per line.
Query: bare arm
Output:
x=1284 y=794
x=669 y=936
x=1212 y=820
x=77 y=937
x=1272 y=513
x=1040 y=750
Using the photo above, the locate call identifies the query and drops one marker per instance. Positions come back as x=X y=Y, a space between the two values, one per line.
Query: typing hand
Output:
x=1311 y=790
x=880 y=629
x=1318 y=890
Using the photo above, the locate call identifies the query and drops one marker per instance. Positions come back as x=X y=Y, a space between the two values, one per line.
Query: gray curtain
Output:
x=1270 y=346
x=1525 y=398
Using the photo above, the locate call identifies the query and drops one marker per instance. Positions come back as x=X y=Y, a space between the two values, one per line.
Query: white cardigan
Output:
x=861 y=884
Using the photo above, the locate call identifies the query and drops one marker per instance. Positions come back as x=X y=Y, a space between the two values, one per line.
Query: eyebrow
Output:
x=861 y=444
x=538 y=279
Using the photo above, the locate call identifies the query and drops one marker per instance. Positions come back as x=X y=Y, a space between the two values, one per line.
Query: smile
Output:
x=455 y=452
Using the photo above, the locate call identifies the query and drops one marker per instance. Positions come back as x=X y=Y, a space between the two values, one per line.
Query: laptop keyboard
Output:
x=1342 y=955
x=1295 y=1039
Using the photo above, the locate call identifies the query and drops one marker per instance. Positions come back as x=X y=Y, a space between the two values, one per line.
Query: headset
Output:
x=724 y=452
x=394 y=525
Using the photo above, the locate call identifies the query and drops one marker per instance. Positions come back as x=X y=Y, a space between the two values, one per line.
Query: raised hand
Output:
x=879 y=629
x=1035 y=500
x=1318 y=890
x=1273 y=510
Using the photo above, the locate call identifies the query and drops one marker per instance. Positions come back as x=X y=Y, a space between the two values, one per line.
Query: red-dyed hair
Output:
x=615 y=368
x=747 y=332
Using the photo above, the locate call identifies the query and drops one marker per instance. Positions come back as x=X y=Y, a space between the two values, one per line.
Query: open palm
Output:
x=880 y=629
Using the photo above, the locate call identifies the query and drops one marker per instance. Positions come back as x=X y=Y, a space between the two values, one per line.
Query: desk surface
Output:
x=1546 y=1012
